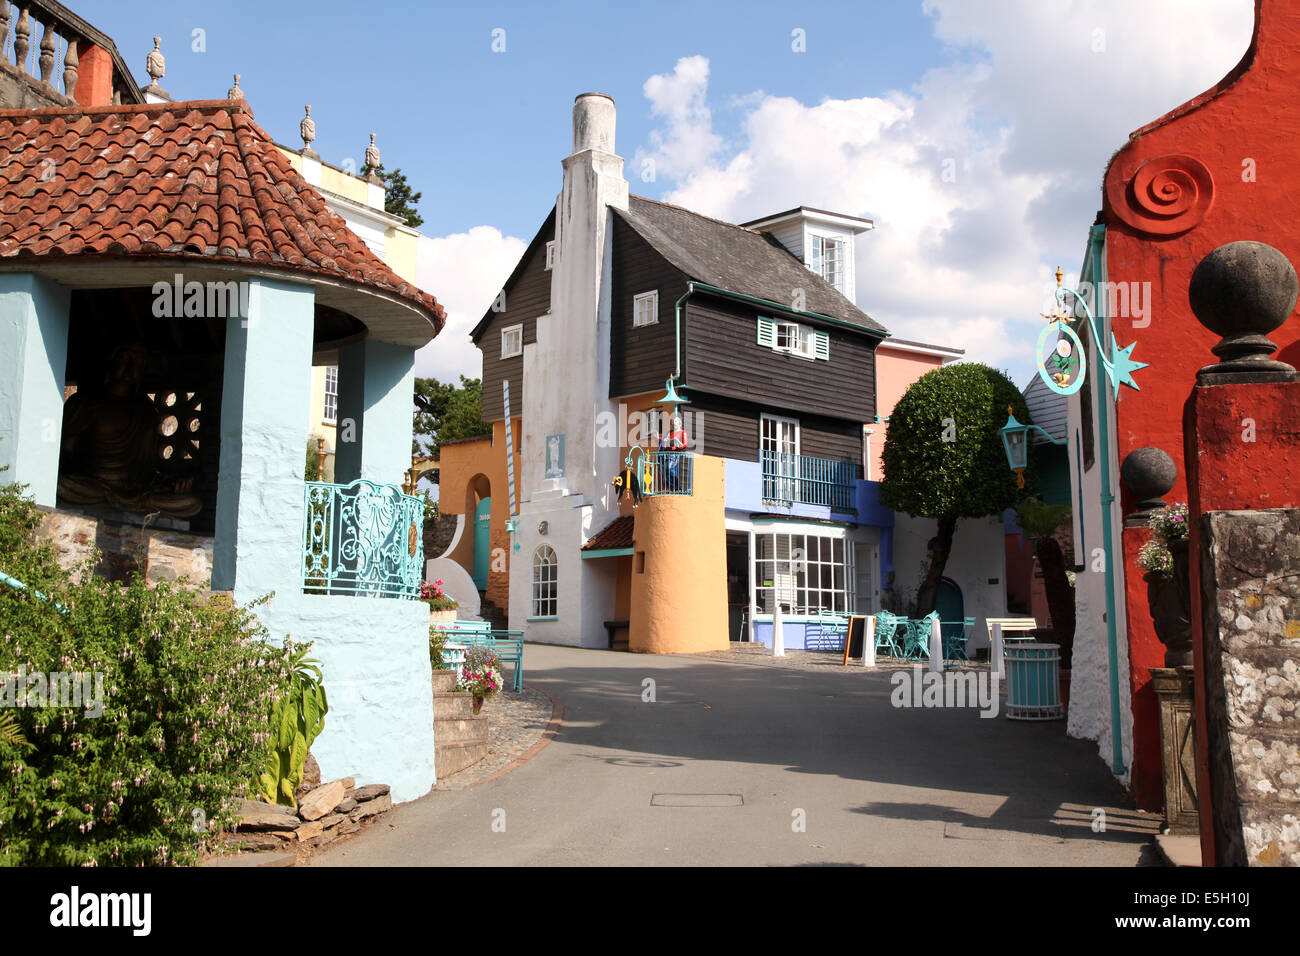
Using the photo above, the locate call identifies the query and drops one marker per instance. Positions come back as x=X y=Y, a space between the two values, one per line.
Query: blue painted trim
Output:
x=607 y=553
x=541 y=619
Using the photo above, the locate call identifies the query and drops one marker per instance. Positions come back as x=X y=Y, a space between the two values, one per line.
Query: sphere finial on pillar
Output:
x=1148 y=474
x=1242 y=291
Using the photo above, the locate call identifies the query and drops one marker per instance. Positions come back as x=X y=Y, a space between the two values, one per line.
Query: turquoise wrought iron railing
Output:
x=362 y=539
x=667 y=473
x=789 y=479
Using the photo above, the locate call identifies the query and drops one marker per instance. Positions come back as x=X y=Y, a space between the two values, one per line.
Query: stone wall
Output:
x=161 y=555
x=1250 y=580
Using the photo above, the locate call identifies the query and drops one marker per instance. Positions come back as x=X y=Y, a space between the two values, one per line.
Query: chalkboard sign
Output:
x=857 y=634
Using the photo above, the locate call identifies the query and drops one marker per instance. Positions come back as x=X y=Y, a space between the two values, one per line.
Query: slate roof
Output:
x=616 y=534
x=737 y=259
x=196 y=180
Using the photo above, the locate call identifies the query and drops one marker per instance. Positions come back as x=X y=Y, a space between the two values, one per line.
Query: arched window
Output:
x=545 y=568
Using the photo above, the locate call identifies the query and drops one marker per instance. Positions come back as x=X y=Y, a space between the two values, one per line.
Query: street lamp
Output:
x=1015 y=441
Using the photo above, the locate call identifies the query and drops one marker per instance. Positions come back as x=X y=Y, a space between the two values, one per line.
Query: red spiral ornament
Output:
x=1165 y=196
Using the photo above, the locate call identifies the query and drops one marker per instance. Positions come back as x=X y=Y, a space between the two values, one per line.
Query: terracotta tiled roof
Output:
x=193 y=180
x=617 y=534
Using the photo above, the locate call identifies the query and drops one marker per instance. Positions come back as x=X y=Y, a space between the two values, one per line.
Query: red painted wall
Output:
x=1217 y=169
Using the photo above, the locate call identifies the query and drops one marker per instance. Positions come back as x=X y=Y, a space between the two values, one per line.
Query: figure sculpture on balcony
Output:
x=111 y=445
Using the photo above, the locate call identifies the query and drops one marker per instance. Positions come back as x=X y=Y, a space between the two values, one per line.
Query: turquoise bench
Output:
x=507 y=645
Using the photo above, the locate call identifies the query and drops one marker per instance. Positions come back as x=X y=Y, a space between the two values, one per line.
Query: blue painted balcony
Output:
x=667 y=473
x=790 y=479
x=363 y=540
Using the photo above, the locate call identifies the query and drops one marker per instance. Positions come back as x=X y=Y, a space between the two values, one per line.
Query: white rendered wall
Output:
x=978 y=556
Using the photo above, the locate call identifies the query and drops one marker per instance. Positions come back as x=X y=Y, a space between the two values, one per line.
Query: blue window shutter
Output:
x=821 y=346
x=766 y=333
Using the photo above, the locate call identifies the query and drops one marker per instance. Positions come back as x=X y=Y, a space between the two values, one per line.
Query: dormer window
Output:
x=827 y=259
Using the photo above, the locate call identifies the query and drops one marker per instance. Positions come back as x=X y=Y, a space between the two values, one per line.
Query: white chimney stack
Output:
x=593 y=122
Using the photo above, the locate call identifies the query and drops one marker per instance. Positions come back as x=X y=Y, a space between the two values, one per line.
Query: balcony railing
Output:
x=362 y=539
x=802 y=479
x=667 y=473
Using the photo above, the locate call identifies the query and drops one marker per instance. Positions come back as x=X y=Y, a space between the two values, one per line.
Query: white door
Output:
x=780 y=458
x=866 y=574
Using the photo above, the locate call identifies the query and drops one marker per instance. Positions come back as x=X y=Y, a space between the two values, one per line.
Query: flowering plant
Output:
x=1169 y=524
x=433 y=595
x=481 y=672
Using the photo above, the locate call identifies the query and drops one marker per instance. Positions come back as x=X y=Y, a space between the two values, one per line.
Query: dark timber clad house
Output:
x=615 y=295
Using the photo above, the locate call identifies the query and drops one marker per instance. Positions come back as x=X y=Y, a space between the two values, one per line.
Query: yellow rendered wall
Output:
x=679 y=597
x=400 y=253
x=458 y=465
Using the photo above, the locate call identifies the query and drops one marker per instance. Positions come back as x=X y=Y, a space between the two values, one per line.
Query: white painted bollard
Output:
x=869 y=643
x=936 y=646
x=995 y=652
x=778 y=635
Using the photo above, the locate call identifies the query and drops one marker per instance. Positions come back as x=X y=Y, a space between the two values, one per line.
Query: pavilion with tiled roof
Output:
x=167 y=271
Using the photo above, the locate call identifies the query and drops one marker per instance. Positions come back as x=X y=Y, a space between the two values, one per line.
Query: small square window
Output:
x=512 y=341
x=550 y=254
x=645 y=309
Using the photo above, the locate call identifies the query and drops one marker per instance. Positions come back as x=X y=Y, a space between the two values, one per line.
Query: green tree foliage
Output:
x=398 y=198
x=444 y=412
x=311 y=469
x=944 y=459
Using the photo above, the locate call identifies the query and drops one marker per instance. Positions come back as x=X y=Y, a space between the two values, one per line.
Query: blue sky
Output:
x=973 y=132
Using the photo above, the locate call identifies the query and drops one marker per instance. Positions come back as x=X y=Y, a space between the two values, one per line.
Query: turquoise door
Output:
x=482 y=542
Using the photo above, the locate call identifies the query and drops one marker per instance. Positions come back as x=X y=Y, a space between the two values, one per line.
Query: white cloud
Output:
x=980 y=178
x=464 y=271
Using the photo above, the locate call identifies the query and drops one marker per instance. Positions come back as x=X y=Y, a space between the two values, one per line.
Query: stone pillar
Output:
x=376 y=383
x=33 y=359
x=1242 y=448
x=265 y=397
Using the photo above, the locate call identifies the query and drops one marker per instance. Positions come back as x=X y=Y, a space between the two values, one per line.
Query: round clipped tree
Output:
x=944 y=457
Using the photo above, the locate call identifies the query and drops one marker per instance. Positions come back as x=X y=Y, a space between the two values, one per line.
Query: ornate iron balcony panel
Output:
x=362 y=539
x=667 y=473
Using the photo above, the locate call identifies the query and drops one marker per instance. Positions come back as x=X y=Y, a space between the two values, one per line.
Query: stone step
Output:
x=455 y=730
x=453 y=758
x=446 y=706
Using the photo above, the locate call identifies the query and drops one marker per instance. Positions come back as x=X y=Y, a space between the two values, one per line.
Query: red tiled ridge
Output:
x=616 y=534
x=196 y=180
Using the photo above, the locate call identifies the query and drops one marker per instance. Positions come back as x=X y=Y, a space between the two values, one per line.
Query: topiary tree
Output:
x=944 y=458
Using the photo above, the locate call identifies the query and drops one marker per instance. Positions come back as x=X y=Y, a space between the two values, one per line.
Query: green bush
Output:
x=296 y=720
x=437 y=640
x=188 y=684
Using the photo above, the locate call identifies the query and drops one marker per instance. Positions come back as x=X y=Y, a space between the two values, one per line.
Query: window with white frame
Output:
x=331 y=393
x=779 y=458
x=804 y=573
x=550 y=254
x=827 y=260
x=512 y=341
x=645 y=309
x=783 y=336
x=545 y=582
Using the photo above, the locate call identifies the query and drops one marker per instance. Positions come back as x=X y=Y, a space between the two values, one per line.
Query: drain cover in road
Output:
x=696 y=800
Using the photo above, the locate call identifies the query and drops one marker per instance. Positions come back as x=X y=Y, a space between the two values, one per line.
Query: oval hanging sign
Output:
x=1062 y=364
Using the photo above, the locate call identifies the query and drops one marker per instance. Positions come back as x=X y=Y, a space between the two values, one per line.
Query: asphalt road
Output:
x=751 y=765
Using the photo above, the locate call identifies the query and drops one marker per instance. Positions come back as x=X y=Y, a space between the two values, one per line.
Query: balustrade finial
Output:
x=155 y=64
x=307 y=129
x=372 y=154
x=235 y=93
x=1148 y=474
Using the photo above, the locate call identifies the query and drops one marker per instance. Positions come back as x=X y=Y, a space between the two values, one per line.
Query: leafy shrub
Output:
x=297 y=718
x=188 y=682
x=436 y=598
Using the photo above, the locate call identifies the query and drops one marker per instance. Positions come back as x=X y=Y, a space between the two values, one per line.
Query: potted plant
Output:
x=442 y=607
x=1164 y=559
x=480 y=675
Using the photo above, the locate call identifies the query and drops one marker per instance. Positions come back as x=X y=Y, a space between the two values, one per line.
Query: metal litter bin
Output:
x=1033 y=681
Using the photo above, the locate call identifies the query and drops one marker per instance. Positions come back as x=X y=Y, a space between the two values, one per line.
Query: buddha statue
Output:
x=111 y=444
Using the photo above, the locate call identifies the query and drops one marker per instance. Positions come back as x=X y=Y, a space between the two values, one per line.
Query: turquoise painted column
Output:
x=376 y=383
x=264 y=405
x=33 y=360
